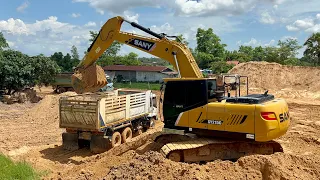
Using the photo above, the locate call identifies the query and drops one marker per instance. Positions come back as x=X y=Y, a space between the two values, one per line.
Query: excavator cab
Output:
x=192 y=93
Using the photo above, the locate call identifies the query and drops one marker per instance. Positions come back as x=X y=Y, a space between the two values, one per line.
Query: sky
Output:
x=42 y=26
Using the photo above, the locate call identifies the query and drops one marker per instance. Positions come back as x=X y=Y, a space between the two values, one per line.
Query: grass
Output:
x=16 y=170
x=138 y=85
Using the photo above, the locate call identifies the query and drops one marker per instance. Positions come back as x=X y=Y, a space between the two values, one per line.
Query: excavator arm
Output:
x=89 y=77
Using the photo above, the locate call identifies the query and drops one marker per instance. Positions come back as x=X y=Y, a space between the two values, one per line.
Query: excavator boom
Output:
x=89 y=77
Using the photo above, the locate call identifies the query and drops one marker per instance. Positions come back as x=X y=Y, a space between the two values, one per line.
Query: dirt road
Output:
x=30 y=132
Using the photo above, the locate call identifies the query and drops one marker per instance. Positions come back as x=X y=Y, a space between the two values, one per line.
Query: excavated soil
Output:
x=276 y=76
x=31 y=132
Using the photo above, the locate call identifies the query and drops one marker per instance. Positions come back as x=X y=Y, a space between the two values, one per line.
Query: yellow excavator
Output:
x=200 y=123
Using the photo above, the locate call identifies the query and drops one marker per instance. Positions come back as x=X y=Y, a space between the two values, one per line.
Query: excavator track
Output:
x=198 y=149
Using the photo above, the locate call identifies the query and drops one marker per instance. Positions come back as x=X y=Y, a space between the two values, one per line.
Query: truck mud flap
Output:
x=70 y=141
x=99 y=144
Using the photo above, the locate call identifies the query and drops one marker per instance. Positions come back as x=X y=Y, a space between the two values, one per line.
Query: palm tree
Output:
x=313 y=48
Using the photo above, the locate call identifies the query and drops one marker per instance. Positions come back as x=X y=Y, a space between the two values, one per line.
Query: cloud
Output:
x=271 y=43
x=182 y=7
x=45 y=36
x=213 y=7
x=90 y=24
x=288 y=37
x=308 y=24
x=11 y=44
x=75 y=15
x=23 y=6
x=131 y=17
x=292 y=28
x=253 y=42
x=266 y=18
x=118 y=7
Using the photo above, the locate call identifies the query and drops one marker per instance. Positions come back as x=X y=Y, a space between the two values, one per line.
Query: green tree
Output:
x=288 y=49
x=106 y=60
x=66 y=63
x=312 y=51
x=231 y=55
x=3 y=42
x=45 y=70
x=181 y=39
x=208 y=42
x=74 y=53
x=257 y=53
x=58 y=58
x=292 y=61
x=131 y=60
x=220 y=67
x=271 y=54
x=18 y=70
x=15 y=71
x=204 y=59
x=245 y=53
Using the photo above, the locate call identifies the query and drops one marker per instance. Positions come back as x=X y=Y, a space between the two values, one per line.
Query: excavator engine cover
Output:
x=90 y=79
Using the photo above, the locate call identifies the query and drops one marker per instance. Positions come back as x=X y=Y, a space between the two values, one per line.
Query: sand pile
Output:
x=278 y=166
x=38 y=124
x=273 y=76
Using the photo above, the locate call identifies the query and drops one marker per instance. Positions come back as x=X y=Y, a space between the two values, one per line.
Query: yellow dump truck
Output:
x=105 y=120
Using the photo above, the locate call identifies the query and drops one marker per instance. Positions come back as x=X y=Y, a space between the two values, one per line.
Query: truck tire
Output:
x=61 y=90
x=116 y=139
x=70 y=141
x=99 y=144
x=126 y=135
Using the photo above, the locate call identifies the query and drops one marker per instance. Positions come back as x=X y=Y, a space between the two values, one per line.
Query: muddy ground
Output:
x=31 y=132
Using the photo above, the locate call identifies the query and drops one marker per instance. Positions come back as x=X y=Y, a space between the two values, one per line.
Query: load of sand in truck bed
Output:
x=274 y=76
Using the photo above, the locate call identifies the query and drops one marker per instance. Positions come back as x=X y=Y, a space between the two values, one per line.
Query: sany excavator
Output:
x=200 y=124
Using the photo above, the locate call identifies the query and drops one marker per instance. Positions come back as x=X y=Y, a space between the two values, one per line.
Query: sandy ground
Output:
x=31 y=132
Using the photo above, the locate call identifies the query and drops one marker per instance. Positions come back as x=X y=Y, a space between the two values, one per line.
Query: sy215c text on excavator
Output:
x=200 y=124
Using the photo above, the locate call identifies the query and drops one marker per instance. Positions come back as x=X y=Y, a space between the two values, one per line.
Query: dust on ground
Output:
x=31 y=132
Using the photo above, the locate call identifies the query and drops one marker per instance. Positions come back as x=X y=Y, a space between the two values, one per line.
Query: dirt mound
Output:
x=278 y=166
x=36 y=124
x=276 y=76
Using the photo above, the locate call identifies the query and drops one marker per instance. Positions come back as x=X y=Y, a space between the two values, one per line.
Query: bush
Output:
x=220 y=67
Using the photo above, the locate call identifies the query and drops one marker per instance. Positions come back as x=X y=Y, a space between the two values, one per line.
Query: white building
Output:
x=140 y=73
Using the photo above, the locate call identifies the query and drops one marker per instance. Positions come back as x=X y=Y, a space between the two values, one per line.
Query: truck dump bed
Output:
x=96 y=111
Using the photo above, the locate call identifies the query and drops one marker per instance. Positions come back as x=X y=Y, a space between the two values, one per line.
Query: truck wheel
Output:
x=116 y=139
x=61 y=90
x=126 y=134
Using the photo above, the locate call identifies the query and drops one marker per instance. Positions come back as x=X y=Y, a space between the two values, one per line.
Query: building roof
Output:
x=136 y=68
x=233 y=62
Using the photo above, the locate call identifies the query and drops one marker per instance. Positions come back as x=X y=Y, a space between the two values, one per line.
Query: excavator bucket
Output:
x=91 y=79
